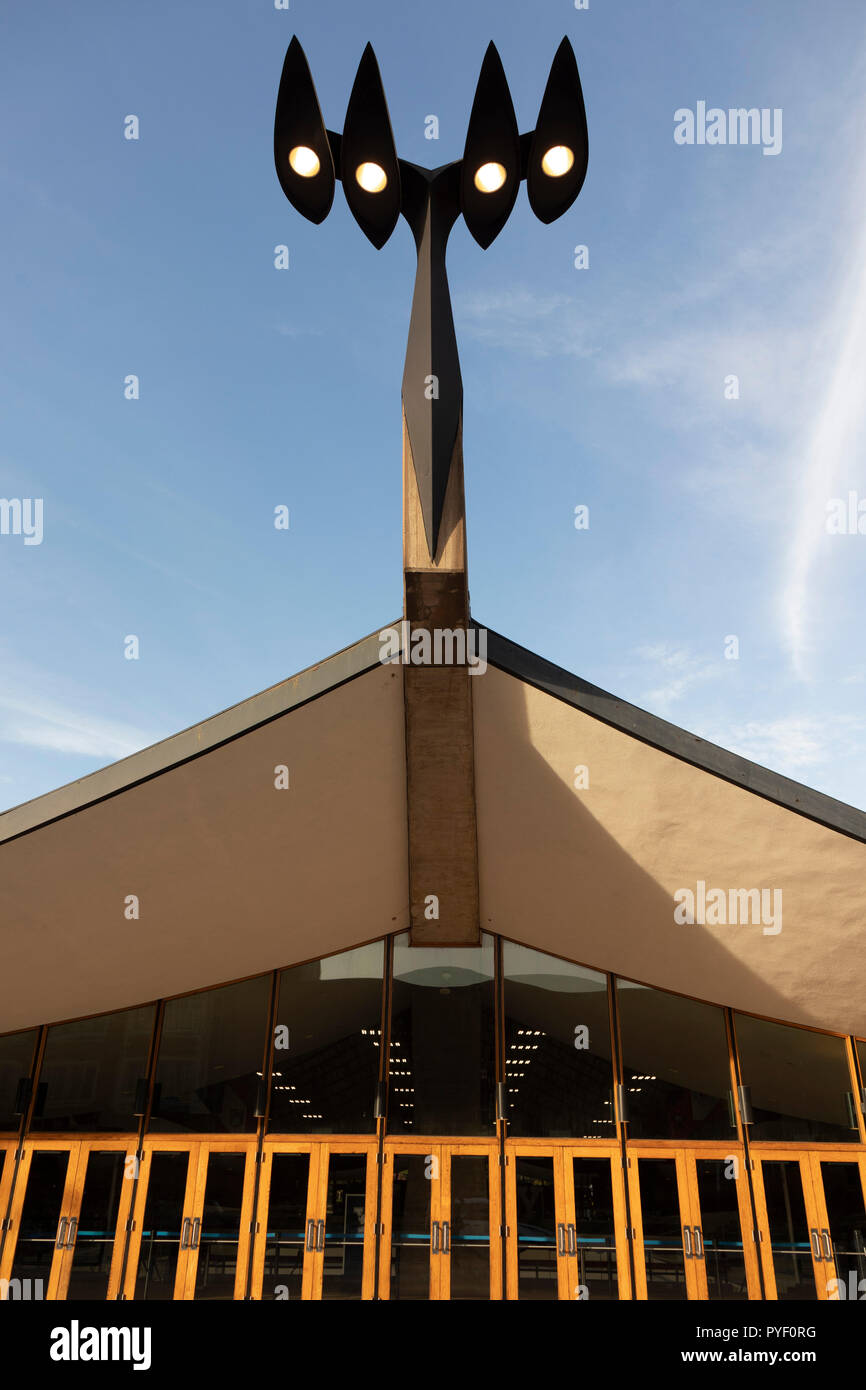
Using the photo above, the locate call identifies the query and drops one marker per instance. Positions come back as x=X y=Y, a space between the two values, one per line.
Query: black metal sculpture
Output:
x=483 y=186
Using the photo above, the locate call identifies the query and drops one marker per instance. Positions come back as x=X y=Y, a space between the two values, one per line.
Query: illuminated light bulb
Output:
x=557 y=161
x=371 y=177
x=490 y=177
x=304 y=161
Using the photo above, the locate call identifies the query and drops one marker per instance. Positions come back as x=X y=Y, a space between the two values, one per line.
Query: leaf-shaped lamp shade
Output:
x=302 y=153
x=490 y=174
x=369 y=168
x=559 y=150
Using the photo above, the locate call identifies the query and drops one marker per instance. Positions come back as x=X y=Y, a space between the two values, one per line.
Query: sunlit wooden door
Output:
x=441 y=1218
x=93 y=1242
x=596 y=1227
x=341 y=1233
x=192 y=1220
x=839 y=1190
x=661 y=1212
x=790 y=1218
x=220 y=1222
x=720 y=1239
x=540 y=1250
x=285 y=1234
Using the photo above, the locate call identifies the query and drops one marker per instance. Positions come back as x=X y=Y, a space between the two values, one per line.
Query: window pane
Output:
x=40 y=1216
x=675 y=1065
x=662 y=1231
x=557 y=1047
x=596 y=1228
x=537 y=1272
x=16 y=1061
x=410 y=1227
x=724 y=1260
x=441 y=1062
x=789 y=1230
x=161 y=1228
x=287 y=1215
x=801 y=1086
x=470 y=1226
x=346 y=1204
x=94 y=1239
x=210 y=1059
x=90 y=1069
x=327 y=1044
x=220 y=1226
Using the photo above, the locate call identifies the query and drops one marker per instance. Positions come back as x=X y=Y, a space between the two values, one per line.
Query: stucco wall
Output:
x=590 y=874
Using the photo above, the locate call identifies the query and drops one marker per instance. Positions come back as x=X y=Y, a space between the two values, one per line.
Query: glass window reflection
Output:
x=800 y=1082
x=90 y=1070
x=441 y=1058
x=557 y=1047
x=211 y=1054
x=327 y=1044
x=675 y=1065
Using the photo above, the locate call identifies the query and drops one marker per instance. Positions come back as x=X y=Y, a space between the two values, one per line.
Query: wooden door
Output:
x=661 y=1211
x=540 y=1262
x=440 y=1236
x=721 y=1236
x=790 y=1218
x=285 y=1234
x=839 y=1190
x=98 y=1210
x=596 y=1226
x=342 y=1239
x=192 y=1220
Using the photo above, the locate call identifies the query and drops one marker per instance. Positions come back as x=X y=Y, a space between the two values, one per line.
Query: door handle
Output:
x=560 y=1238
x=687 y=1241
x=446 y=1237
x=73 y=1231
x=572 y=1240
x=184 y=1233
x=320 y=1235
x=61 y=1233
x=816 y=1244
x=311 y=1235
x=699 y=1244
x=196 y=1228
x=828 y=1245
x=434 y=1238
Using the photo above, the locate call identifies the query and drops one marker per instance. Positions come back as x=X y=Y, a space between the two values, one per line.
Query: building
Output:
x=241 y=1056
x=433 y=972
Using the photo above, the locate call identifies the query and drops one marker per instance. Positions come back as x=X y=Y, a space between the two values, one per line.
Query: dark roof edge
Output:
x=517 y=661
x=201 y=738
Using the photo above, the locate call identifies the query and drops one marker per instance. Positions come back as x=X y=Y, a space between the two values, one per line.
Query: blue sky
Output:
x=603 y=386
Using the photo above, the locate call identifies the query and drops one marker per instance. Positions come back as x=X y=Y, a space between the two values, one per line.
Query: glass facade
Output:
x=327 y=1044
x=557 y=1047
x=801 y=1087
x=426 y=1124
x=91 y=1070
x=676 y=1069
x=17 y=1055
x=211 y=1059
x=441 y=1060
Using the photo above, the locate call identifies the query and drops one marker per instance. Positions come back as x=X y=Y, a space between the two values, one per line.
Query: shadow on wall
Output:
x=553 y=876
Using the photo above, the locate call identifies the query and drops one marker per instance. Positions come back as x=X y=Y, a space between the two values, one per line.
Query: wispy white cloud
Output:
x=678 y=671
x=793 y=741
x=40 y=723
